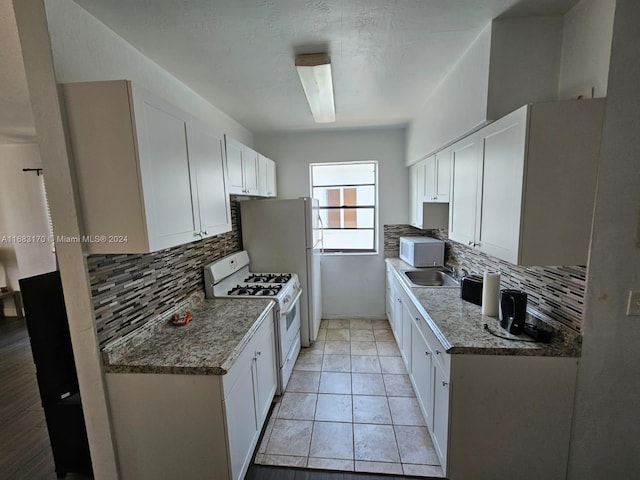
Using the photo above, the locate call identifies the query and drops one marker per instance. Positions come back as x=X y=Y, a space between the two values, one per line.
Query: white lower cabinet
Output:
x=440 y=428
x=407 y=320
x=194 y=426
x=422 y=373
x=489 y=416
x=249 y=387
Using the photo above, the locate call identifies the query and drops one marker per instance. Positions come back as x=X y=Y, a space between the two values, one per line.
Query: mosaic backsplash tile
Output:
x=554 y=292
x=130 y=290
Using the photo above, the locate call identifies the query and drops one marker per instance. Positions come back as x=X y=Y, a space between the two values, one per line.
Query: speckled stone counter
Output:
x=208 y=345
x=459 y=325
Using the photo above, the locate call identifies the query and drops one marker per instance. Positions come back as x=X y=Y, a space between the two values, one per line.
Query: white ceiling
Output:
x=387 y=55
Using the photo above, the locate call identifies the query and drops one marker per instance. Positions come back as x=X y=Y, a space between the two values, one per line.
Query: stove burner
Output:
x=268 y=278
x=255 y=290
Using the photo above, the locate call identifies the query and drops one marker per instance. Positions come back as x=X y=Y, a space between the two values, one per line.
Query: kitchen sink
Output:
x=430 y=278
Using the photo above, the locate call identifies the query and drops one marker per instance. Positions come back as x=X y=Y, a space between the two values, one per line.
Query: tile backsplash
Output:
x=130 y=290
x=554 y=292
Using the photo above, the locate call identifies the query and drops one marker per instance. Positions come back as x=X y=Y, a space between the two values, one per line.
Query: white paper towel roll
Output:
x=490 y=293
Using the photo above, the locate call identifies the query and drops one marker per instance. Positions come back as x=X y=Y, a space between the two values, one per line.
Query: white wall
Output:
x=22 y=213
x=586 y=49
x=85 y=49
x=352 y=285
x=457 y=106
x=525 y=63
x=606 y=420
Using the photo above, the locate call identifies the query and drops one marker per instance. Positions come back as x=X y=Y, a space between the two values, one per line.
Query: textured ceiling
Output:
x=387 y=55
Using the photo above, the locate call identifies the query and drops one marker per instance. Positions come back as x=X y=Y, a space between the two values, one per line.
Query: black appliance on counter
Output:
x=48 y=328
x=513 y=310
x=471 y=289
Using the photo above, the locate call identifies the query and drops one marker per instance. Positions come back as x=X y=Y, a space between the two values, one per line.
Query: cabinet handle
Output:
x=427 y=353
x=258 y=354
x=444 y=384
x=438 y=352
x=204 y=233
x=470 y=243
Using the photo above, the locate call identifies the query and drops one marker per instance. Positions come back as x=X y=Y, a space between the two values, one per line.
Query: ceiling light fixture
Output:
x=315 y=74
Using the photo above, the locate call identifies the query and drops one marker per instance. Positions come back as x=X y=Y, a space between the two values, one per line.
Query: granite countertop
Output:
x=459 y=325
x=207 y=345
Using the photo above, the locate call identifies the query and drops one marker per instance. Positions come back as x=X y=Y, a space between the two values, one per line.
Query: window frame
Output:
x=376 y=206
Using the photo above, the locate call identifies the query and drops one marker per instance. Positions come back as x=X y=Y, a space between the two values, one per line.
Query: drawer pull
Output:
x=444 y=384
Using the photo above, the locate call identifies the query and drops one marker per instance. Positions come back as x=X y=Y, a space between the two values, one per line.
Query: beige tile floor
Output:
x=350 y=406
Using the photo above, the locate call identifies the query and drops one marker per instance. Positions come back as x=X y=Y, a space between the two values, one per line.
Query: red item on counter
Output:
x=183 y=318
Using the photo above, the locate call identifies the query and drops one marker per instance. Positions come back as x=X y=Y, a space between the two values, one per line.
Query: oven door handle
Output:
x=295 y=300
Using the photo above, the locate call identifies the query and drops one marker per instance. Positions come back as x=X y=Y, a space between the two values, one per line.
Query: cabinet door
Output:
x=390 y=303
x=397 y=318
x=442 y=175
x=405 y=346
x=502 y=186
x=206 y=155
x=422 y=373
x=416 y=193
x=265 y=368
x=440 y=412
x=429 y=193
x=272 y=179
x=250 y=170
x=235 y=176
x=266 y=176
x=164 y=164
x=465 y=197
x=242 y=425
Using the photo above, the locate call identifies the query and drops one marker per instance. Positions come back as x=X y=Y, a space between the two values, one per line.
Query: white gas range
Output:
x=230 y=278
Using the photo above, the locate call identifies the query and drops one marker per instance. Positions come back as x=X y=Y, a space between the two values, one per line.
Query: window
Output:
x=348 y=194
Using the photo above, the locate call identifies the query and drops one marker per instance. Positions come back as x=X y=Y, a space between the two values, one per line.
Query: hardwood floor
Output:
x=25 y=451
x=261 y=472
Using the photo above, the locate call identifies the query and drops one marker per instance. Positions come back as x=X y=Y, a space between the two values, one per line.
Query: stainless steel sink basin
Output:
x=430 y=278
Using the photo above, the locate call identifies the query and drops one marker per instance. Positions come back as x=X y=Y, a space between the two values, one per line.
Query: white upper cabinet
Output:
x=442 y=175
x=242 y=168
x=206 y=154
x=250 y=170
x=523 y=187
x=438 y=177
x=139 y=162
x=429 y=194
x=266 y=176
x=466 y=168
x=416 y=192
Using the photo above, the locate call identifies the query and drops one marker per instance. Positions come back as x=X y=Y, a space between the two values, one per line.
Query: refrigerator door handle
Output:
x=321 y=234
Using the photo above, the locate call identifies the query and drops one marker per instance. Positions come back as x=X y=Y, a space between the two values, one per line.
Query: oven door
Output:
x=289 y=340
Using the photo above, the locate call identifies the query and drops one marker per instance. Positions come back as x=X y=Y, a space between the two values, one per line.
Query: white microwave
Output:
x=422 y=251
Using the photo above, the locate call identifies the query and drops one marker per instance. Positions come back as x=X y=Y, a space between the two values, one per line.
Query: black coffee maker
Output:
x=513 y=310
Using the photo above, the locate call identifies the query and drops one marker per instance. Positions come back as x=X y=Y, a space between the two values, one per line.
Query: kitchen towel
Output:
x=490 y=293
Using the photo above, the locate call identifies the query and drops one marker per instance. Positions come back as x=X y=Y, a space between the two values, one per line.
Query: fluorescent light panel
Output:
x=314 y=71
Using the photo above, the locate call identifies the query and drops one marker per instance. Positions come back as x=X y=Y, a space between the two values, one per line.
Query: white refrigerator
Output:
x=286 y=236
